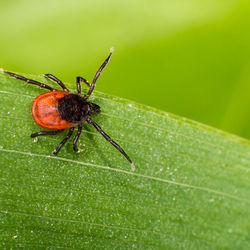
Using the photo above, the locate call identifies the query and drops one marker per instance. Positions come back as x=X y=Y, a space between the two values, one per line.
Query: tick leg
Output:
x=55 y=152
x=59 y=82
x=92 y=86
x=98 y=128
x=78 y=83
x=30 y=81
x=77 y=137
x=46 y=133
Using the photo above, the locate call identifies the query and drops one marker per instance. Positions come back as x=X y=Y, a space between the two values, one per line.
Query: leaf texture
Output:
x=190 y=188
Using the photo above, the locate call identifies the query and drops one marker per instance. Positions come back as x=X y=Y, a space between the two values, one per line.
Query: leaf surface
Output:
x=190 y=188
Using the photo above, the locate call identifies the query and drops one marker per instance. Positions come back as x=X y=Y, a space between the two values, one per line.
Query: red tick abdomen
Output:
x=44 y=111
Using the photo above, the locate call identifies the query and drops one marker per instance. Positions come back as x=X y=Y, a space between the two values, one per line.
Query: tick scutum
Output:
x=73 y=108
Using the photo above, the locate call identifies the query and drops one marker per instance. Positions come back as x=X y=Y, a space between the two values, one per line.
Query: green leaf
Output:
x=190 y=188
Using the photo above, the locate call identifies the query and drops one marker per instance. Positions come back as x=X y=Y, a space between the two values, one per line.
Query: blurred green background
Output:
x=188 y=57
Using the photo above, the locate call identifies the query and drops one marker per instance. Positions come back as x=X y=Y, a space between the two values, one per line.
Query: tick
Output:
x=60 y=110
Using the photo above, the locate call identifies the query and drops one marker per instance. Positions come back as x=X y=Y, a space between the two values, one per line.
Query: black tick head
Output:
x=94 y=109
x=74 y=109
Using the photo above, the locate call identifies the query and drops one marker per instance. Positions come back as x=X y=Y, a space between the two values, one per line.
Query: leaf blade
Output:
x=189 y=190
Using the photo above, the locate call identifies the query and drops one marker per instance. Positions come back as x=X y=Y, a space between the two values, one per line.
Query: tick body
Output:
x=59 y=110
x=45 y=111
